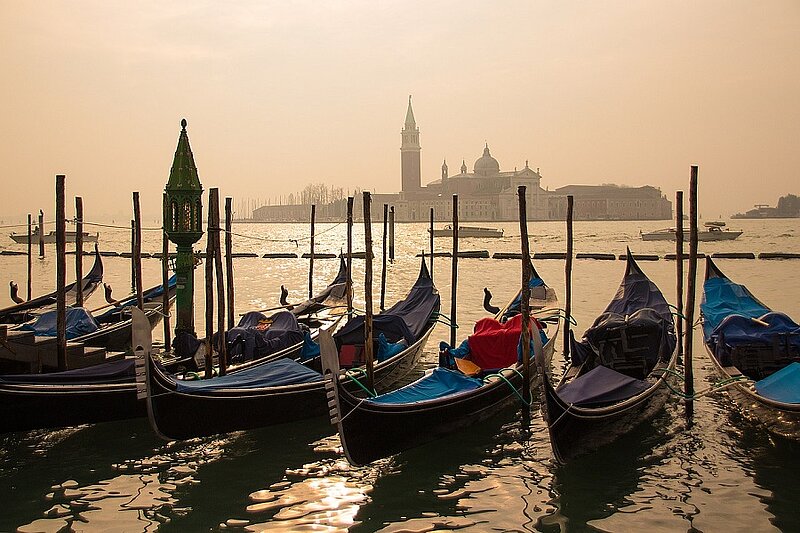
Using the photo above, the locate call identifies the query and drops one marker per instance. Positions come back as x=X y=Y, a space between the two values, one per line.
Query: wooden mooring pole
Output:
x=209 y=288
x=679 y=268
x=137 y=251
x=391 y=234
x=165 y=283
x=79 y=251
x=430 y=229
x=133 y=253
x=525 y=296
x=41 y=233
x=568 y=279
x=30 y=258
x=368 y=344
x=229 y=260
x=383 y=255
x=61 y=274
x=349 y=286
x=690 y=293
x=454 y=275
x=311 y=259
x=222 y=348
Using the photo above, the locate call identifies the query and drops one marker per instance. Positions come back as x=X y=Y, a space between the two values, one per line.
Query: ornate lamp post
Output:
x=183 y=222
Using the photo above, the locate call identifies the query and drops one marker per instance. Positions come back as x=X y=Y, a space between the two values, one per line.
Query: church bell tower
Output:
x=410 y=153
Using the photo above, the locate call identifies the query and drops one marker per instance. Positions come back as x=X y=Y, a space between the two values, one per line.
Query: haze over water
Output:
x=722 y=474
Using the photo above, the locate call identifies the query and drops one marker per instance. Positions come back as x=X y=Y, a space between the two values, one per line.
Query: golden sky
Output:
x=281 y=94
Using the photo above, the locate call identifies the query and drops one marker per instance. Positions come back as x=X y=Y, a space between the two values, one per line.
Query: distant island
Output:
x=788 y=207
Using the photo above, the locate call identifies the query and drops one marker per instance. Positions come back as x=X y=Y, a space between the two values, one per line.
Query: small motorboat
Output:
x=714 y=231
x=468 y=231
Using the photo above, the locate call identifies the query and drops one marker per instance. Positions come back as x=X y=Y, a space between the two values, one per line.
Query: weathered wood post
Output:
x=391 y=234
x=209 y=288
x=137 y=251
x=223 y=347
x=687 y=347
x=229 y=259
x=311 y=260
x=165 y=281
x=525 y=295
x=679 y=267
x=133 y=253
x=349 y=286
x=383 y=255
x=368 y=345
x=454 y=275
x=61 y=274
x=568 y=278
x=431 y=239
x=30 y=258
x=41 y=233
x=79 y=251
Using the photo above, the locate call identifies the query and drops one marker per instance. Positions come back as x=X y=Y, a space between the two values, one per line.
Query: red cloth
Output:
x=494 y=345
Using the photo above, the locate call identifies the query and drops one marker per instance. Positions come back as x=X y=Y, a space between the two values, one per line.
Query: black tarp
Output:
x=252 y=338
x=404 y=320
x=121 y=371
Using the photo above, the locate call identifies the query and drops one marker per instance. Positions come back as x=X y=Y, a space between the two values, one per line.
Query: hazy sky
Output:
x=281 y=94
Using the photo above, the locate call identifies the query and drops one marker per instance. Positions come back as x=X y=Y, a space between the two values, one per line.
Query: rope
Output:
x=351 y=374
x=513 y=388
x=714 y=387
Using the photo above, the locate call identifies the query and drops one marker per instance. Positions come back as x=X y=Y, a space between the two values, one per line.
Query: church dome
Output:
x=487 y=165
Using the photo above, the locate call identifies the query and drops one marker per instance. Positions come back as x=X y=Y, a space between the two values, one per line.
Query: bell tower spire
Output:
x=410 y=149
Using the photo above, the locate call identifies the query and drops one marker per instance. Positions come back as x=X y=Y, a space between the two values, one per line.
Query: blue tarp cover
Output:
x=721 y=298
x=114 y=372
x=404 y=320
x=274 y=374
x=439 y=383
x=782 y=386
x=601 y=385
x=738 y=329
x=79 y=322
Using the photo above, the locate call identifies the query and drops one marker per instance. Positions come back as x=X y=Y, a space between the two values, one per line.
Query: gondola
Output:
x=616 y=377
x=287 y=390
x=98 y=393
x=112 y=328
x=445 y=399
x=755 y=350
x=16 y=314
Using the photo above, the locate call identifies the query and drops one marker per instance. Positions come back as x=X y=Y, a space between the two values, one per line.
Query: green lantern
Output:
x=183 y=222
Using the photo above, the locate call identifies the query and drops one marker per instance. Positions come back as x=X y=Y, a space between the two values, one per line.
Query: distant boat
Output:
x=468 y=231
x=50 y=238
x=715 y=231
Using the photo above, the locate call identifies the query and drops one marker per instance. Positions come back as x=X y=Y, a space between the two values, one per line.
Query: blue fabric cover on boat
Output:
x=439 y=383
x=79 y=322
x=388 y=349
x=404 y=320
x=637 y=300
x=601 y=385
x=252 y=338
x=310 y=348
x=113 y=372
x=513 y=308
x=738 y=329
x=782 y=386
x=721 y=298
x=274 y=374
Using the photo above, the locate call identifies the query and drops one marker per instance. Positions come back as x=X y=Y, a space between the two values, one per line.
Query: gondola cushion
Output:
x=782 y=386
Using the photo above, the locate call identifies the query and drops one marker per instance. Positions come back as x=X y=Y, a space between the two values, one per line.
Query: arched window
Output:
x=174 y=211
x=187 y=216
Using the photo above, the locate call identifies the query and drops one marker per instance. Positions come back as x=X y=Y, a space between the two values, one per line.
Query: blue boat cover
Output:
x=638 y=303
x=121 y=371
x=601 y=385
x=783 y=385
x=404 y=320
x=739 y=329
x=388 y=349
x=256 y=337
x=438 y=384
x=274 y=374
x=721 y=298
x=79 y=322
